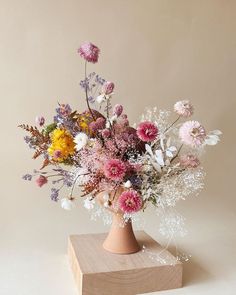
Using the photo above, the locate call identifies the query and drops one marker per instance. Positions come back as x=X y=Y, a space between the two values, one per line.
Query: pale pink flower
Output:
x=183 y=108
x=101 y=123
x=130 y=201
x=115 y=169
x=89 y=52
x=189 y=161
x=41 y=180
x=40 y=120
x=147 y=131
x=192 y=133
x=117 y=110
x=108 y=87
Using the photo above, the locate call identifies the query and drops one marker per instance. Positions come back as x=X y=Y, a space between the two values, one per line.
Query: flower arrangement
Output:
x=155 y=163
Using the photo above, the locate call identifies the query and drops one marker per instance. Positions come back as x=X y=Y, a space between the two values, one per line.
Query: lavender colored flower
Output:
x=89 y=52
x=27 y=177
x=117 y=110
x=54 y=194
x=108 y=87
x=40 y=120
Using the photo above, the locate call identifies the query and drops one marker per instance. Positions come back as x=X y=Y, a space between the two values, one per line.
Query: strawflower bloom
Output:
x=41 y=180
x=130 y=201
x=147 y=131
x=40 y=120
x=183 y=108
x=108 y=87
x=189 y=161
x=89 y=52
x=114 y=169
x=62 y=145
x=192 y=133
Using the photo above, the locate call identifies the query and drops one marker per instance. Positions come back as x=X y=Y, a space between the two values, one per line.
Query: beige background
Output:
x=156 y=51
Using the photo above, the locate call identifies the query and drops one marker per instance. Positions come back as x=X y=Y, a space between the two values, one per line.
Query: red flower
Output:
x=115 y=169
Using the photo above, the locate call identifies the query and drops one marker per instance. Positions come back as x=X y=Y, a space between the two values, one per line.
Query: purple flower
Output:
x=54 y=194
x=27 y=177
x=108 y=87
x=40 y=120
x=117 y=110
x=89 y=52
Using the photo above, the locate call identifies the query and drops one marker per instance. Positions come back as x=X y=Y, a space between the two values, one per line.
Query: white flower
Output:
x=81 y=140
x=128 y=184
x=67 y=204
x=111 y=121
x=89 y=204
x=101 y=98
x=213 y=137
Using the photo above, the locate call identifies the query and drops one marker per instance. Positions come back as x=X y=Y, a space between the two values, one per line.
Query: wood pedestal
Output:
x=98 y=272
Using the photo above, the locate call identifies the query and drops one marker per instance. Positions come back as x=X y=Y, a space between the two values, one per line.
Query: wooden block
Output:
x=98 y=272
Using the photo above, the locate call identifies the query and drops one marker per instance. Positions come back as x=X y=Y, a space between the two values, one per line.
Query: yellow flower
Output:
x=62 y=145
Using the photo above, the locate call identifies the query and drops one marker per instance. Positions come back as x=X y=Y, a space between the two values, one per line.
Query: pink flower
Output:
x=130 y=201
x=106 y=133
x=192 y=133
x=108 y=87
x=101 y=123
x=147 y=131
x=114 y=169
x=183 y=108
x=57 y=154
x=117 y=110
x=41 y=180
x=40 y=120
x=89 y=52
x=189 y=161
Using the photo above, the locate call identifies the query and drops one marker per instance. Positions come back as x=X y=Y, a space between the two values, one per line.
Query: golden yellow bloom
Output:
x=62 y=145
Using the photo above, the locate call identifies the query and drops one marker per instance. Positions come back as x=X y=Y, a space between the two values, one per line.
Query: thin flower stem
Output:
x=86 y=91
x=73 y=185
x=177 y=153
x=172 y=124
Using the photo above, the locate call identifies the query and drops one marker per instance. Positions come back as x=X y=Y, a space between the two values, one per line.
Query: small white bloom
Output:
x=105 y=197
x=89 y=204
x=213 y=137
x=81 y=140
x=128 y=184
x=101 y=98
x=67 y=204
x=111 y=121
x=106 y=204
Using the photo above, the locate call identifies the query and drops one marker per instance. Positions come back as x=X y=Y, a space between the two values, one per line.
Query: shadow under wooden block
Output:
x=98 y=272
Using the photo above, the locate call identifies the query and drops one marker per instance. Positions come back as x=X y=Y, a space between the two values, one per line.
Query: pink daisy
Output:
x=130 y=201
x=192 y=133
x=89 y=52
x=114 y=169
x=147 y=131
x=41 y=180
x=183 y=108
x=189 y=161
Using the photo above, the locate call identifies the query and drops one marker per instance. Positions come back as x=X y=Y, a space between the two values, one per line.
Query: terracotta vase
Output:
x=121 y=238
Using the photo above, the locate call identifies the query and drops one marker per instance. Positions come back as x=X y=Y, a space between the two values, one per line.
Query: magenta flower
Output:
x=117 y=110
x=115 y=169
x=189 y=161
x=89 y=52
x=130 y=201
x=192 y=133
x=40 y=120
x=147 y=131
x=41 y=180
x=57 y=154
x=183 y=108
x=108 y=87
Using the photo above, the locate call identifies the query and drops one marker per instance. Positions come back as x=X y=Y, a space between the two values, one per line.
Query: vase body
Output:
x=121 y=238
